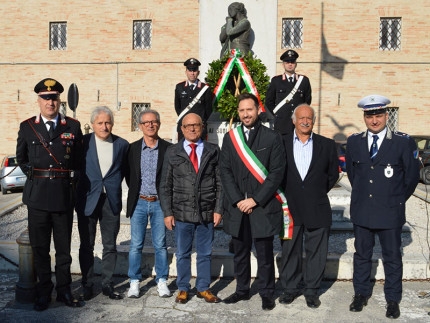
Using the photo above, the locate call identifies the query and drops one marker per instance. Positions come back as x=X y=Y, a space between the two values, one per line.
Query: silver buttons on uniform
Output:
x=370 y=195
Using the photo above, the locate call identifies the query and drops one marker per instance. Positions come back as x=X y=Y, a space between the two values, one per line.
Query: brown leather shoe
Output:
x=208 y=296
x=182 y=297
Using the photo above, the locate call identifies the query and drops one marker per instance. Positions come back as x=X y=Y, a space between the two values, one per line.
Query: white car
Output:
x=15 y=178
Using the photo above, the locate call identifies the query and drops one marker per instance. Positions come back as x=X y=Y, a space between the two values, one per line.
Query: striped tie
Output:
x=374 y=147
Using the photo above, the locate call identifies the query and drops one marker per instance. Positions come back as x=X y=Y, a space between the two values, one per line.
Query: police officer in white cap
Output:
x=383 y=169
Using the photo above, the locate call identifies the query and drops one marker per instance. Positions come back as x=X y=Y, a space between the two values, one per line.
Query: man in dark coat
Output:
x=312 y=170
x=100 y=199
x=383 y=169
x=252 y=212
x=145 y=160
x=191 y=199
x=193 y=96
x=49 y=150
x=286 y=92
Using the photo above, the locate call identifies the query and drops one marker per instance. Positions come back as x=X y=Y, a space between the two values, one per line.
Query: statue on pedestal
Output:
x=235 y=32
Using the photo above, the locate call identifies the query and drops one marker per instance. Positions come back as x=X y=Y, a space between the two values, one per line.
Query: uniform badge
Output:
x=67 y=135
x=416 y=154
x=388 y=171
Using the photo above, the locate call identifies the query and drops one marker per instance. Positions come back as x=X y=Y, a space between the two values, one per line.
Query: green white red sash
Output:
x=235 y=59
x=260 y=173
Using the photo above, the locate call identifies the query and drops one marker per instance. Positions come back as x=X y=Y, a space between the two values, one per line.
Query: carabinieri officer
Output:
x=383 y=169
x=49 y=151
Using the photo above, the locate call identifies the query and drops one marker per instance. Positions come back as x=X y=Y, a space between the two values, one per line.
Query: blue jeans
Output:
x=138 y=223
x=184 y=234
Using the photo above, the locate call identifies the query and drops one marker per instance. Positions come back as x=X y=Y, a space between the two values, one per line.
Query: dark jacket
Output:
x=380 y=188
x=185 y=194
x=134 y=176
x=279 y=88
x=43 y=193
x=184 y=95
x=307 y=199
x=238 y=182
x=91 y=182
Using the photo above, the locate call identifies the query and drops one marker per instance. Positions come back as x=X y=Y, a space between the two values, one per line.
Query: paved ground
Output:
x=335 y=298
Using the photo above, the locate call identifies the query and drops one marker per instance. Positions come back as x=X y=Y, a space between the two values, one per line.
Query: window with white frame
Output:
x=390 y=32
x=136 y=109
x=292 y=33
x=393 y=118
x=58 y=36
x=142 y=34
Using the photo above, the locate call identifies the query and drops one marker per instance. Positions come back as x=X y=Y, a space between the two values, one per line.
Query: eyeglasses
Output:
x=191 y=125
x=48 y=97
x=152 y=122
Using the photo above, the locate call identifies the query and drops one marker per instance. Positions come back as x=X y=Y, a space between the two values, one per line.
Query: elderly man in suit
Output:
x=253 y=214
x=99 y=199
x=383 y=169
x=312 y=169
x=145 y=159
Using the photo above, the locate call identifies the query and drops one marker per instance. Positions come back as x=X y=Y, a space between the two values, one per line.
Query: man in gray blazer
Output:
x=99 y=199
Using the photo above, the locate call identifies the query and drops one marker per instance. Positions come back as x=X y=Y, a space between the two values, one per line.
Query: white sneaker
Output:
x=163 y=290
x=133 y=292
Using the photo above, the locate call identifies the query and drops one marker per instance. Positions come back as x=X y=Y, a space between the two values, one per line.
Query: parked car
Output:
x=423 y=143
x=341 y=149
x=15 y=178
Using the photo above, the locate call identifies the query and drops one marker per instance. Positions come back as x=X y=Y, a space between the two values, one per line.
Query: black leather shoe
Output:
x=313 y=301
x=287 y=298
x=393 y=310
x=358 y=302
x=42 y=303
x=235 y=297
x=87 y=292
x=267 y=303
x=108 y=291
x=68 y=299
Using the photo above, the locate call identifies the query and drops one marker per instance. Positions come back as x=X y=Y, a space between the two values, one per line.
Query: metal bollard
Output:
x=87 y=128
x=25 y=291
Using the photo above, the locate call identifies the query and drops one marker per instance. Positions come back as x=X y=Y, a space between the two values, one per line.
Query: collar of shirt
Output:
x=145 y=146
x=195 y=83
x=246 y=131
x=295 y=139
x=55 y=120
x=288 y=76
x=199 y=148
x=381 y=136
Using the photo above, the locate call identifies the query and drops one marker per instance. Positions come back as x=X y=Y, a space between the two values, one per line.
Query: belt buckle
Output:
x=51 y=173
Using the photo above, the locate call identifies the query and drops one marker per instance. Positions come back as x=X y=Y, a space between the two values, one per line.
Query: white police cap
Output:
x=373 y=102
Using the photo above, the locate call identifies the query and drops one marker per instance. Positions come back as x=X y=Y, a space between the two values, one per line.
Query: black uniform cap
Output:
x=289 y=56
x=192 y=62
x=48 y=86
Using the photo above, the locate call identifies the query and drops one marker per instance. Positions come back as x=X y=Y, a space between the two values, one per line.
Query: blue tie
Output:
x=374 y=147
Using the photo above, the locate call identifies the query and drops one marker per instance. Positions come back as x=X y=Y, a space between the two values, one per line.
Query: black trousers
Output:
x=109 y=227
x=242 y=261
x=391 y=241
x=291 y=271
x=41 y=225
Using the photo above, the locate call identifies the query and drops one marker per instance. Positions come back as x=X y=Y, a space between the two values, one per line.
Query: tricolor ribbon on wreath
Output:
x=260 y=172
x=236 y=59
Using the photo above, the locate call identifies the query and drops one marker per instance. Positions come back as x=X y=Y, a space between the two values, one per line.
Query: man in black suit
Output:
x=100 y=199
x=312 y=170
x=383 y=169
x=193 y=96
x=49 y=150
x=286 y=92
x=145 y=160
x=253 y=214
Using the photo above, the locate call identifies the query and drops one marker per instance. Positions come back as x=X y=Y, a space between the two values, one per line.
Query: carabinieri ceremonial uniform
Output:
x=50 y=157
x=297 y=90
x=196 y=97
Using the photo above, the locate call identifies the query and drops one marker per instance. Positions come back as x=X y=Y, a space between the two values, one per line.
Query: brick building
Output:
x=128 y=55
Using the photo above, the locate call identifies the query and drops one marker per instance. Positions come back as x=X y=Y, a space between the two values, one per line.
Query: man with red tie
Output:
x=190 y=196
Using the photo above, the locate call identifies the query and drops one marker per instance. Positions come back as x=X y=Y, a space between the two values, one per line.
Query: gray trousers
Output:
x=109 y=227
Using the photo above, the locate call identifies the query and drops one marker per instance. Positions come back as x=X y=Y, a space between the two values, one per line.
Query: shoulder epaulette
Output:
x=357 y=134
x=29 y=118
x=401 y=134
x=71 y=119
